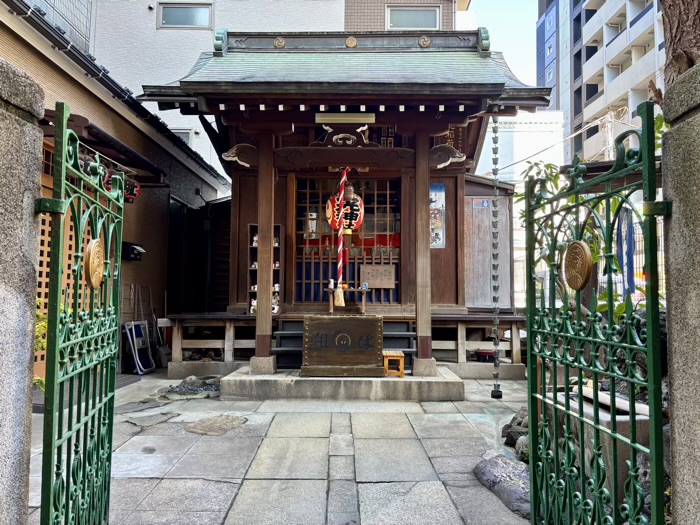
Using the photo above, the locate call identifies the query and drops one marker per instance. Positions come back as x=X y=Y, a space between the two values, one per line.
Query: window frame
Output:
x=421 y=7
x=161 y=25
x=549 y=22
x=189 y=131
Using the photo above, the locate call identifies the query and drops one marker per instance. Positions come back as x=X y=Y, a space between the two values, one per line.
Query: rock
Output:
x=193 y=382
x=509 y=480
x=505 y=429
x=216 y=426
x=522 y=448
x=180 y=396
x=514 y=433
x=517 y=421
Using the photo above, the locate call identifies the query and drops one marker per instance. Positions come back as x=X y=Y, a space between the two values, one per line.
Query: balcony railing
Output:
x=595 y=97
x=640 y=15
x=613 y=38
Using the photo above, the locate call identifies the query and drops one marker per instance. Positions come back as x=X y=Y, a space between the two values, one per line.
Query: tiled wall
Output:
x=369 y=15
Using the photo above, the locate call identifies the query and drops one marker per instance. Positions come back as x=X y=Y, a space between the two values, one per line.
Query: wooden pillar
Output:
x=233 y=246
x=461 y=341
x=422 y=247
x=177 y=342
x=515 y=343
x=266 y=224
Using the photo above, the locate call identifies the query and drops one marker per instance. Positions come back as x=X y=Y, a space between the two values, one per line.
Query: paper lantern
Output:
x=349 y=219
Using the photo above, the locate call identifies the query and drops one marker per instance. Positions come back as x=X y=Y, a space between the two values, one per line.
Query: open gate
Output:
x=83 y=332
x=594 y=348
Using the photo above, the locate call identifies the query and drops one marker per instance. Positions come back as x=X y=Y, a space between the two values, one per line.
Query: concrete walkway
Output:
x=304 y=462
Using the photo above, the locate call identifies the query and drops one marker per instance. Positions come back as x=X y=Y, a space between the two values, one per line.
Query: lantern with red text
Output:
x=349 y=218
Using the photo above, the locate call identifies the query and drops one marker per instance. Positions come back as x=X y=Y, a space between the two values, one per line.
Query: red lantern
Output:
x=352 y=214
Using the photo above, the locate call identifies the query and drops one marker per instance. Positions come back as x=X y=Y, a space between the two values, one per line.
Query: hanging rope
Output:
x=496 y=393
x=339 y=299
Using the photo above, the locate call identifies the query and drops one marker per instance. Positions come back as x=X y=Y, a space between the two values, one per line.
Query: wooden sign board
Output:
x=378 y=275
x=343 y=346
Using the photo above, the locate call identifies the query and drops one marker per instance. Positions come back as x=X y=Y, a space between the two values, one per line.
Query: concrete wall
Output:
x=21 y=104
x=136 y=52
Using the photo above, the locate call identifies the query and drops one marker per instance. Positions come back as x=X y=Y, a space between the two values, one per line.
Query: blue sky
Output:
x=512 y=26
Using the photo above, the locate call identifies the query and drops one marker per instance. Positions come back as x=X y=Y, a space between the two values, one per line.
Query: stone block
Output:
x=20 y=90
x=184 y=369
x=423 y=503
x=341 y=467
x=291 y=458
x=190 y=495
x=442 y=426
x=263 y=365
x=381 y=460
x=454 y=447
x=424 y=367
x=292 y=424
x=342 y=496
x=341 y=445
x=370 y=426
x=271 y=502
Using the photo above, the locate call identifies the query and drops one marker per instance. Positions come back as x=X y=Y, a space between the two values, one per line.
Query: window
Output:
x=550 y=49
x=184 y=134
x=549 y=22
x=550 y=75
x=185 y=15
x=412 y=17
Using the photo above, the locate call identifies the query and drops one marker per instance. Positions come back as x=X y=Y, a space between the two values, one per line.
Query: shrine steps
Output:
x=287 y=384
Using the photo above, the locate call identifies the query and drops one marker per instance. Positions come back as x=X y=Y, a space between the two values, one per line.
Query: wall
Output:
x=369 y=15
x=166 y=55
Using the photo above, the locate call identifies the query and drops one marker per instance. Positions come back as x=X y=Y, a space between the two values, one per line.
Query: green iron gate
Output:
x=594 y=355
x=83 y=333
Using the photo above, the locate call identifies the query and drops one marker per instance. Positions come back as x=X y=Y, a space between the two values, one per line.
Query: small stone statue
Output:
x=253 y=305
x=255 y=239
x=276 y=287
x=331 y=284
x=275 y=303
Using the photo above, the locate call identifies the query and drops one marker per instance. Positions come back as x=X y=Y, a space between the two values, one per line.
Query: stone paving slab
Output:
x=378 y=460
x=472 y=500
x=190 y=495
x=212 y=466
x=158 y=445
x=342 y=496
x=304 y=424
x=435 y=407
x=422 y=503
x=127 y=493
x=275 y=502
x=459 y=468
x=159 y=517
x=442 y=426
x=319 y=405
x=385 y=426
x=143 y=465
x=227 y=445
x=291 y=458
x=452 y=447
x=340 y=423
x=341 y=445
x=166 y=429
x=341 y=467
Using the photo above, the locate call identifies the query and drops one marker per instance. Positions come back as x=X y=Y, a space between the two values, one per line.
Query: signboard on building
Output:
x=378 y=275
x=343 y=346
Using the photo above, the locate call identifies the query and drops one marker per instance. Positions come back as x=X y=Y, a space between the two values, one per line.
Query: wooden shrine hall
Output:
x=407 y=112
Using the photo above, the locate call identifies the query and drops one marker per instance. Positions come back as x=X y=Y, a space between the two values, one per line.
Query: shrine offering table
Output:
x=343 y=346
x=362 y=291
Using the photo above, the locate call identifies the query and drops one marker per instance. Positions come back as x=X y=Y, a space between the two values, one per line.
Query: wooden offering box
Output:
x=343 y=346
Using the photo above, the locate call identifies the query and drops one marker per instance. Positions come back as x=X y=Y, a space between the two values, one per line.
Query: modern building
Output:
x=528 y=137
x=151 y=30
x=598 y=56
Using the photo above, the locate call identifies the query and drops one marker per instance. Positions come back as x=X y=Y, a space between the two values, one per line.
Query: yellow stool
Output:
x=395 y=356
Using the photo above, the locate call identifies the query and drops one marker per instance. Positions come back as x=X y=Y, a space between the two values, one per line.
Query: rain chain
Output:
x=496 y=393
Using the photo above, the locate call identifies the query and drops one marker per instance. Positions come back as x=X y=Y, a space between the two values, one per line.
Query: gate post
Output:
x=681 y=145
x=21 y=105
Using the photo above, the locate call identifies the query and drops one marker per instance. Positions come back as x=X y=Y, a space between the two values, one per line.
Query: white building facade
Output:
x=527 y=137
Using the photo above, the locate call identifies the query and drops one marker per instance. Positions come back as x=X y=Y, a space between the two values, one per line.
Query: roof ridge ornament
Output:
x=484 y=39
x=220 y=42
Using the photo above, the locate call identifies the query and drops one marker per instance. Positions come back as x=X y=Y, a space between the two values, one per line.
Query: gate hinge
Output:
x=652 y=208
x=46 y=205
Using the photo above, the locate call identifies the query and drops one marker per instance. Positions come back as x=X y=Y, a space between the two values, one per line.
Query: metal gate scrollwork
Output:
x=83 y=333
x=594 y=348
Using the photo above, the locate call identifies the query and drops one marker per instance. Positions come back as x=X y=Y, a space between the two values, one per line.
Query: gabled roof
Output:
x=434 y=64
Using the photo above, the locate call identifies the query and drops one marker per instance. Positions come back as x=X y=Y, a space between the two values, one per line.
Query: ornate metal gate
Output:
x=83 y=334
x=594 y=354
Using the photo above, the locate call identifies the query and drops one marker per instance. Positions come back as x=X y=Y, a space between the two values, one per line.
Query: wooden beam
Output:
x=422 y=247
x=177 y=342
x=461 y=341
x=266 y=225
x=229 y=341
x=301 y=158
x=233 y=246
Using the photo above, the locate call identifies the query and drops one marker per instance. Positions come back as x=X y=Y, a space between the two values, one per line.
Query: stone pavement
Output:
x=304 y=462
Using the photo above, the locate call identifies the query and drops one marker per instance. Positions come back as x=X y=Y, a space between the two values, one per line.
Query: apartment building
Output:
x=138 y=49
x=599 y=57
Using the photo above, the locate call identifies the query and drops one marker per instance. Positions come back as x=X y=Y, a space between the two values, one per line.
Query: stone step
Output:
x=287 y=384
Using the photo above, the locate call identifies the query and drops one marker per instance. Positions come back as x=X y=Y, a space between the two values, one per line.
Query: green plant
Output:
x=619 y=304
x=41 y=328
x=660 y=127
x=40 y=382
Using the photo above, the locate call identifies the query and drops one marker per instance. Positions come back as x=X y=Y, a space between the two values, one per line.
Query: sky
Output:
x=512 y=27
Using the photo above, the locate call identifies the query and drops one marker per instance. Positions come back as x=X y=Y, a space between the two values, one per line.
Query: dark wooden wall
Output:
x=443 y=261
